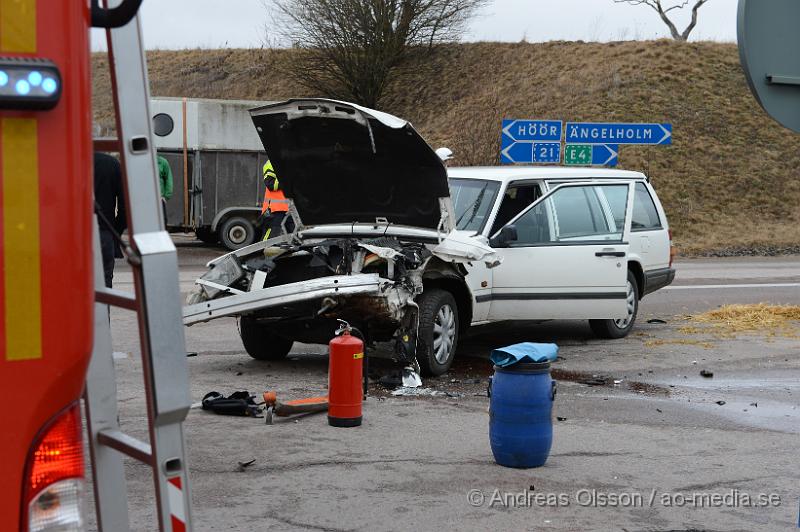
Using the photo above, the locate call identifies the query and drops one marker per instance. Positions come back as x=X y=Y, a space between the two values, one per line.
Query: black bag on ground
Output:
x=236 y=404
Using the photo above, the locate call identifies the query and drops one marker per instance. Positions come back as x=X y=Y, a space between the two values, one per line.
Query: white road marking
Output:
x=720 y=286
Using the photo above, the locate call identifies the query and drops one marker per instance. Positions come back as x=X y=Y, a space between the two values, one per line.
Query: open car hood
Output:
x=342 y=163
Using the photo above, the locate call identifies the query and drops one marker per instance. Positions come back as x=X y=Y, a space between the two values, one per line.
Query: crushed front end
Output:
x=300 y=289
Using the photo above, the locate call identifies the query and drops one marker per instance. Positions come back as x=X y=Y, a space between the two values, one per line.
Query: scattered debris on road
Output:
x=679 y=341
x=594 y=379
x=244 y=465
x=416 y=392
x=732 y=319
x=411 y=378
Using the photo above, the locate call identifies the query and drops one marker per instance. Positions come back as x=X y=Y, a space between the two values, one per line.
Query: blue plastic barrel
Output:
x=520 y=414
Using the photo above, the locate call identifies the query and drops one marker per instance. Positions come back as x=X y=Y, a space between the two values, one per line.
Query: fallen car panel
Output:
x=334 y=286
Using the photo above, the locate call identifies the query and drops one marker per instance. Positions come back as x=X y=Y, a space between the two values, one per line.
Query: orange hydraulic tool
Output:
x=308 y=405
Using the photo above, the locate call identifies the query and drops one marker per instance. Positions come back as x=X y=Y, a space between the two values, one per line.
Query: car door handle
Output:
x=610 y=254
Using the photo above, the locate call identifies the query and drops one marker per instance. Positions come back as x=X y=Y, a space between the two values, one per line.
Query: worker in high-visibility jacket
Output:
x=275 y=205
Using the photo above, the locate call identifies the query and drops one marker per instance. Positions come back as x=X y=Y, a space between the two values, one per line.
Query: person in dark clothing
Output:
x=109 y=200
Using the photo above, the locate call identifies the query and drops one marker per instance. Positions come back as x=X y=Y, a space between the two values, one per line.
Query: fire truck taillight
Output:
x=54 y=485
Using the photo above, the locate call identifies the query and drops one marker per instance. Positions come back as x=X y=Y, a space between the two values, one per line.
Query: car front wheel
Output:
x=438 y=331
x=620 y=328
x=261 y=343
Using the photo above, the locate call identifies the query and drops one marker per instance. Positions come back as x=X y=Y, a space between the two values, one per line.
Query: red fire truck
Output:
x=52 y=307
x=46 y=287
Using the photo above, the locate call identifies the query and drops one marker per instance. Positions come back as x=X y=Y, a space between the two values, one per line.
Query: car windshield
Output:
x=472 y=201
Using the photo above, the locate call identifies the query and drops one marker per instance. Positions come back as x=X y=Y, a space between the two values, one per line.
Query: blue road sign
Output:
x=609 y=133
x=517 y=152
x=531 y=152
x=605 y=154
x=531 y=141
x=530 y=130
x=591 y=154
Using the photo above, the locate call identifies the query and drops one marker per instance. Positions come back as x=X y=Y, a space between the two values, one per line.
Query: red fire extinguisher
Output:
x=345 y=370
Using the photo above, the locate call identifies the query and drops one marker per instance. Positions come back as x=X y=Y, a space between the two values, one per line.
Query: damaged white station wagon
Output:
x=379 y=244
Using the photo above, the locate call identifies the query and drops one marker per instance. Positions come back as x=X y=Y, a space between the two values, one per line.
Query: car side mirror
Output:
x=507 y=234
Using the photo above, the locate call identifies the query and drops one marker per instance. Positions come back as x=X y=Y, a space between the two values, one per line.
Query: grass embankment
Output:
x=729 y=182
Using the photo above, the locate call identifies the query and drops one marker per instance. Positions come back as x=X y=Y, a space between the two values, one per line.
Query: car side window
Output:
x=618 y=202
x=645 y=215
x=515 y=200
x=576 y=210
x=573 y=214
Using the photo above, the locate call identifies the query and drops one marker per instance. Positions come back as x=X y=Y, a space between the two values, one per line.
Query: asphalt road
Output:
x=649 y=428
x=699 y=284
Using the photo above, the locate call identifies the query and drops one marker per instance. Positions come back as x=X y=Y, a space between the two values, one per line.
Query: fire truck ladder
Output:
x=157 y=302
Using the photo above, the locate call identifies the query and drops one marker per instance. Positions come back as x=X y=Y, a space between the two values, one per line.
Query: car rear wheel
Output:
x=438 y=331
x=260 y=343
x=237 y=232
x=620 y=328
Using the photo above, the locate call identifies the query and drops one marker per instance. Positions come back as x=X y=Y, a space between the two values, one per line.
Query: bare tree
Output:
x=658 y=7
x=350 y=49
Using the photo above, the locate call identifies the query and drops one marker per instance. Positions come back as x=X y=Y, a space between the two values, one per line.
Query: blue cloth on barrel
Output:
x=524 y=352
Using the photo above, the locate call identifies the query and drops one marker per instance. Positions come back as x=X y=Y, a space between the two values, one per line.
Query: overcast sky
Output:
x=175 y=24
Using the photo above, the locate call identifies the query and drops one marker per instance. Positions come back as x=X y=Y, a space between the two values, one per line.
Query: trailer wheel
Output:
x=260 y=343
x=206 y=235
x=237 y=232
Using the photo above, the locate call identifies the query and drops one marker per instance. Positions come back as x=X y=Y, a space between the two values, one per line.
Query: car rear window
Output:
x=645 y=215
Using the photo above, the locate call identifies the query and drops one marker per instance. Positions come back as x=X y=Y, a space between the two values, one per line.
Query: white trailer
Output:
x=216 y=157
